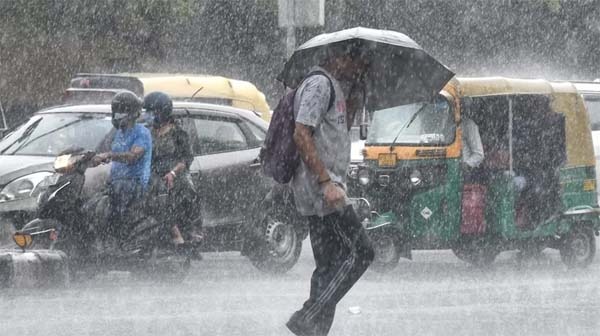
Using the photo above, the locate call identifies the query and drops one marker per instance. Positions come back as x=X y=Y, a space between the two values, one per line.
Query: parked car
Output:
x=241 y=209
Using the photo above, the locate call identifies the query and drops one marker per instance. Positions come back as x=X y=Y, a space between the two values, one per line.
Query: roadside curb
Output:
x=32 y=269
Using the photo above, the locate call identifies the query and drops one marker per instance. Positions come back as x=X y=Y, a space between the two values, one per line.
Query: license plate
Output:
x=387 y=160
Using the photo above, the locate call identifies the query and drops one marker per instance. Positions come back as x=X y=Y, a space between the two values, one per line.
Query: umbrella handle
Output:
x=364 y=119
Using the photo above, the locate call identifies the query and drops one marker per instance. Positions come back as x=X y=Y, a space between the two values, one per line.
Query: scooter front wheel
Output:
x=163 y=266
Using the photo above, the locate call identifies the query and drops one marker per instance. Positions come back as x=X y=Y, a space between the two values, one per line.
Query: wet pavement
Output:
x=436 y=294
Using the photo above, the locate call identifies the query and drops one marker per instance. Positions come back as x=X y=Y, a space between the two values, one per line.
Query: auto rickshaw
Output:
x=534 y=189
x=98 y=88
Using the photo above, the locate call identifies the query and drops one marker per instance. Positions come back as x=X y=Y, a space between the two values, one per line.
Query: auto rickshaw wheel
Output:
x=578 y=247
x=476 y=251
x=387 y=253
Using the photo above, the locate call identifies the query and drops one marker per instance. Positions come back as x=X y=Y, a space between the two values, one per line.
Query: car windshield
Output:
x=593 y=107
x=432 y=124
x=50 y=134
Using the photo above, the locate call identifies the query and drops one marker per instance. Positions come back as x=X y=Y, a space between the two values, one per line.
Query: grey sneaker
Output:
x=300 y=327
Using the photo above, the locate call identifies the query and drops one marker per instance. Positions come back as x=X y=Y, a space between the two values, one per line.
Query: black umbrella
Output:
x=400 y=71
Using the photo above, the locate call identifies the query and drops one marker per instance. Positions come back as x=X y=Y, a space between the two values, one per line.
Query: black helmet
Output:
x=125 y=106
x=160 y=105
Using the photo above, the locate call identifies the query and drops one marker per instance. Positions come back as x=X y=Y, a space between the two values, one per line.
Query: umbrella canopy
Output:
x=400 y=71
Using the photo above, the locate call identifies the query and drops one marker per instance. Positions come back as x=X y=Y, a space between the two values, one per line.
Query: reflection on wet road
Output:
x=434 y=295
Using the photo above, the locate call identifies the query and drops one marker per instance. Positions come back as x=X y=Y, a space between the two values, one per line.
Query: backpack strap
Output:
x=331 y=88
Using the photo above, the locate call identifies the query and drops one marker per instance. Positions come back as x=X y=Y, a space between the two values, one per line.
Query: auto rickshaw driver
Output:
x=472 y=148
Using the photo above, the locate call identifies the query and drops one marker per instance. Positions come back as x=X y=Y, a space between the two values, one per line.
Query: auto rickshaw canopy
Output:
x=564 y=99
x=242 y=94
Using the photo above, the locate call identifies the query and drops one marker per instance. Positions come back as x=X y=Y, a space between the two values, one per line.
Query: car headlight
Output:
x=364 y=177
x=23 y=187
x=415 y=178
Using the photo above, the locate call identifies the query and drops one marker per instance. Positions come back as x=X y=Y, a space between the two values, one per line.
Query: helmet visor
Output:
x=119 y=116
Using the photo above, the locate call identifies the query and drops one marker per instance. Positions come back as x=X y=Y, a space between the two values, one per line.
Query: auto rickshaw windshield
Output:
x=593 y=107
x=430 y=123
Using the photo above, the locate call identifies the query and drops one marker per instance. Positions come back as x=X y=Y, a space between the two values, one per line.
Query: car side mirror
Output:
x=364 y=130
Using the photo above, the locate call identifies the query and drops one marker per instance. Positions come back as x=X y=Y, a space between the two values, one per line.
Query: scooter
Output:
x=79 y=227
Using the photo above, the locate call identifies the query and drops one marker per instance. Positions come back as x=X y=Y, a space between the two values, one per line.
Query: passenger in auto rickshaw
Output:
x=538 y=143
x=539 y=147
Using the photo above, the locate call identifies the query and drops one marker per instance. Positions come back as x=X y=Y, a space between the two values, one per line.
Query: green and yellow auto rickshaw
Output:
x=535 y=187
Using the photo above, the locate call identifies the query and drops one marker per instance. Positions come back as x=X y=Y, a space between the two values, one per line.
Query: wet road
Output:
x=434 y=295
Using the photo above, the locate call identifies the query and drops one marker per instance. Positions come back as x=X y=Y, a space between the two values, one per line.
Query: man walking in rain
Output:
x=340 y=246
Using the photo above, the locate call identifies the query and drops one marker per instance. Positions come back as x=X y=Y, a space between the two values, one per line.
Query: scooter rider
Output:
x=171 y=159
x=131 y=153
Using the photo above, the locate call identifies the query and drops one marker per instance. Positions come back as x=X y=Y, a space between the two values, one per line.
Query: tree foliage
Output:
x=43 y=43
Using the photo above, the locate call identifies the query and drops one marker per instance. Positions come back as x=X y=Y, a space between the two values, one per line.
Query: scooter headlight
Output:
x=23 y=187
x=65 y=164
x=364 y=177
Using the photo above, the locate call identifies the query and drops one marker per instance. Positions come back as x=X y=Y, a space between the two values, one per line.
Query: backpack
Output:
x=279 y=156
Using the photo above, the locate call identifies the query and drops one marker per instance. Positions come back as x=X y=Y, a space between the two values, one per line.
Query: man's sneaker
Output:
x=299 y=327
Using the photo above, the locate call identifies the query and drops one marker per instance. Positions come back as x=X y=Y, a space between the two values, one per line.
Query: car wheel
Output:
x=387 y=254
x=281 y=247
x=578 y=248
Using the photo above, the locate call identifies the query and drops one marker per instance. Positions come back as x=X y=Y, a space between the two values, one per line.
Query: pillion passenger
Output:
x=171 y=160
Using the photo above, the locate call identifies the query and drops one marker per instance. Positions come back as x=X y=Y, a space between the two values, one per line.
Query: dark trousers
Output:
x=123 y=195
x=182 y=207
x=342 y=253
